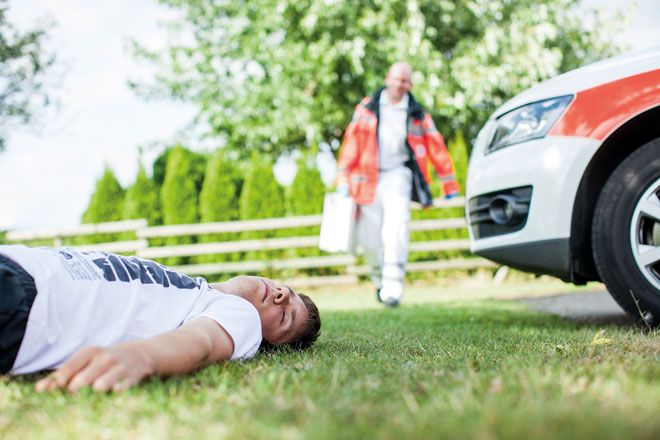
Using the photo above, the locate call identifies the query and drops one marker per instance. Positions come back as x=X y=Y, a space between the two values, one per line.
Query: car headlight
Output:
x=531 y=121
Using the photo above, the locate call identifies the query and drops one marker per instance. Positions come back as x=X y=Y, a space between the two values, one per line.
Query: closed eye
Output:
x=283 y=316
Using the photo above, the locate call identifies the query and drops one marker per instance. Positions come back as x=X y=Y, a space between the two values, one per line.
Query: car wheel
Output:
x=626 y=233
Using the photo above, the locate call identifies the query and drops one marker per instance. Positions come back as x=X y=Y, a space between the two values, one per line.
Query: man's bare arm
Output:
x=193 y=345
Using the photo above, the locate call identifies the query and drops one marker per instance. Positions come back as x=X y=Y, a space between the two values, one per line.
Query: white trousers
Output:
x=383 y=231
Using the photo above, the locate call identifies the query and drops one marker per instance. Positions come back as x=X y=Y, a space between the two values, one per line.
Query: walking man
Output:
x=383 y=165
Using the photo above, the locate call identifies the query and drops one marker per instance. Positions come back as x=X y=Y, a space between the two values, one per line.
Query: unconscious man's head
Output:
x=287 y=318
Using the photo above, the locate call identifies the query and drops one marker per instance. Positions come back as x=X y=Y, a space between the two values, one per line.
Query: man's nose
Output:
x=281 y=295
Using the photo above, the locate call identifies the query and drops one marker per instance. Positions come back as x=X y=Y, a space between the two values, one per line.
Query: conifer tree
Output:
x=306 y=198
x=221 y=190
x=261 y=197
x=107 y=202
x=179 y=195
x=159 y=166
x=142 y=200
x=459 y=153
x=307 y=190
x=219 y=200
x=198 y=167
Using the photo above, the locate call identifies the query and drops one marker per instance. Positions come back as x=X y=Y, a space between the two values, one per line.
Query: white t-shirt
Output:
x=392 y=149
x=94 y=298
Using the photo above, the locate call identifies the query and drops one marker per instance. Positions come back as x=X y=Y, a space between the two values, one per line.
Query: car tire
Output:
x=626 y=233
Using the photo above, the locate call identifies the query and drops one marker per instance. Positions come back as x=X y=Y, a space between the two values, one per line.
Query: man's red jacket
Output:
x=358 y=158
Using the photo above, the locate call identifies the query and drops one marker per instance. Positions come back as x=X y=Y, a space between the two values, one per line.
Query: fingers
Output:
x=61 y=377
x=92 y=366
x=115 y=379
x=86 y=376
x=48 y=383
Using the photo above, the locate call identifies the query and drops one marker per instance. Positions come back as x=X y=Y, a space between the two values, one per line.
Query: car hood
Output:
x=587 y=77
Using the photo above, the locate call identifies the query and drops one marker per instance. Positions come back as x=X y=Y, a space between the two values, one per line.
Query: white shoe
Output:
x=391 y=292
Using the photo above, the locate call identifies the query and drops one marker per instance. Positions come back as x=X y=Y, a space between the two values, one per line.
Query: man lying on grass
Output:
x=109 y=321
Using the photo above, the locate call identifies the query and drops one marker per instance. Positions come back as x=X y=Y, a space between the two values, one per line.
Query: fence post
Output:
x=351 y=268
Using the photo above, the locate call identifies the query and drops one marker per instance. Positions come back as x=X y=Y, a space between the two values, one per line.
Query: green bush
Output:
x=448 y=234
x=219 y=201
x=305 y=197
x=219 y=198
x=459 y=154
x=307 y=189
x=262 y=197
x=179 y=195
x=159 y=167
x=142 y=199
x=198 y=167
x=106 y=204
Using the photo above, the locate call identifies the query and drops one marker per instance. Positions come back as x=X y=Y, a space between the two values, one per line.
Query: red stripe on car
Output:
x=598 y=111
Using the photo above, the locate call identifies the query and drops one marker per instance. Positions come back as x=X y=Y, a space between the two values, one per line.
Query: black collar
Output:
x=415 y=109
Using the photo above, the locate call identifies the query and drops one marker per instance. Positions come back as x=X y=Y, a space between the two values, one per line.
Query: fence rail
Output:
x=142 y=247
x=82 y=230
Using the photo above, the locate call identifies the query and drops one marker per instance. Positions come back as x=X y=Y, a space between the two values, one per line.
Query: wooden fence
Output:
x=142 y=247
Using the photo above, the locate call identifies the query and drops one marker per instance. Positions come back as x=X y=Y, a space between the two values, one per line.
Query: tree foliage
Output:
x=179 y=194
x=305 y=197
x=262 y=196
x=459 y=153
x=23 y=67
x=219 y=200
x=142 y=199
x=197 y=167
x=307 y=190
x=276 y=75
x=107 y=202
x=221 y=189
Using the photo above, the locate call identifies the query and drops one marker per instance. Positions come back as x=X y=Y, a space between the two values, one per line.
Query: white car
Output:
x=564 y=179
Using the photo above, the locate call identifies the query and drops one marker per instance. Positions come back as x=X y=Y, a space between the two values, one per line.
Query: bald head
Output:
x=398 y=81
x=400 y=67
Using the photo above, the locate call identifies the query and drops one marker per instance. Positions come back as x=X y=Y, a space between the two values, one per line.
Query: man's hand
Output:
x=193 y=345
x=103 y=369
x=342 y=189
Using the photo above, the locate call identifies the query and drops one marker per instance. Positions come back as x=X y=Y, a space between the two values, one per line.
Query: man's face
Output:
x=398 y=83
x=282 y=311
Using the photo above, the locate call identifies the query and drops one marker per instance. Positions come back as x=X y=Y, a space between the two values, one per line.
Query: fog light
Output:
x=504 y=210
x=499 y=212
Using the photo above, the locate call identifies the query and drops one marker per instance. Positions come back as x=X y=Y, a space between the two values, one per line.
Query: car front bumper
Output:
x=553 y=167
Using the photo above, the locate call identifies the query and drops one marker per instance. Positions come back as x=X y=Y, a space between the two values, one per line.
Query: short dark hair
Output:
x=312 y=327
x=309 y=333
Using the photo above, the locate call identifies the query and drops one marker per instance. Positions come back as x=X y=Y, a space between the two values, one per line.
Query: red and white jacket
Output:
x=358 y=158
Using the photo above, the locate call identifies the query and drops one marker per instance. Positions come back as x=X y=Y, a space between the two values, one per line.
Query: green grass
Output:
x=450 y=363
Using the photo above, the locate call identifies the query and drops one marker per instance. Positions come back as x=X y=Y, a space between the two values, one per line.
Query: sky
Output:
x=48 y=171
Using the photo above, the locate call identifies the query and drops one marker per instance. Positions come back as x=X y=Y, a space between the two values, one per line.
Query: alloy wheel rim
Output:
x=645 y=234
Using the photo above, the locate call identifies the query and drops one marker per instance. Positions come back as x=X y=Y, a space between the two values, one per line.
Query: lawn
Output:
x=453 y=362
